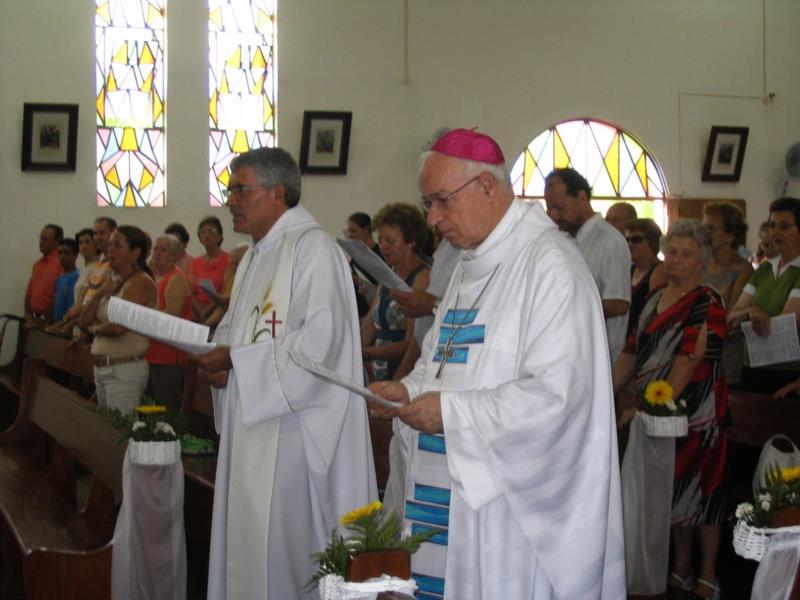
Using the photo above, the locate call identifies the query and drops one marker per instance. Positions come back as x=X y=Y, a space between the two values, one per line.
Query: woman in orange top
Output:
x=210 y=266
x=168 y=364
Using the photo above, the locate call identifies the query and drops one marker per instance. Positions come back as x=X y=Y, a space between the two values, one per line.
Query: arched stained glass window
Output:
x=241 y=81
x=616 y=165
x=130 y=86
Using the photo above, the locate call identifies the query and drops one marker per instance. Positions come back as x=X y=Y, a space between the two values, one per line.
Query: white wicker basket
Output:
x=677 y=426
x=751 y=542
x=155 y=453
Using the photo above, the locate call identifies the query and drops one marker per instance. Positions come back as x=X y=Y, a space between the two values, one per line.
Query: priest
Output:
x=294 y=450
x=507 y=420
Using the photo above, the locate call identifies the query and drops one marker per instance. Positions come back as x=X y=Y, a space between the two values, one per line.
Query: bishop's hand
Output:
x=423 y=413
x=389 y=390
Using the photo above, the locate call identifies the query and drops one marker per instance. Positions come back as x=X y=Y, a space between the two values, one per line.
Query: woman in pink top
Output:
x=210 y=266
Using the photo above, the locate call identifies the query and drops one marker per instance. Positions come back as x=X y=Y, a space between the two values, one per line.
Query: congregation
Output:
x=527 y=340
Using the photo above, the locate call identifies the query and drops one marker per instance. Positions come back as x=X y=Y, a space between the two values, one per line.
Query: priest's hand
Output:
x=424 y=413
x=389 y=390
x=217 y=379
x=416 y=303
x=213 y=367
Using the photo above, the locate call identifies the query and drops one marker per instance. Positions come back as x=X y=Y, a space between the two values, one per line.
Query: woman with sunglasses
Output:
x=773 y=290
x=647 y=271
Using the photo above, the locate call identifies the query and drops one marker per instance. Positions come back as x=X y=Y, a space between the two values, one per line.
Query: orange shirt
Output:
x=203 y=269
x=41 y=290
x=162 y=354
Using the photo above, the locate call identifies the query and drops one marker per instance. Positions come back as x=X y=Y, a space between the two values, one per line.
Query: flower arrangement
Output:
x=370 y=530
x=658 y=400
x=149 y=422
x=774 y=508
x=783 y=490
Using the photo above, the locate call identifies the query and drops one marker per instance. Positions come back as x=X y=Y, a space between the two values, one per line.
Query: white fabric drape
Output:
x=149 y=555
x=647 y=473
x=778 y=568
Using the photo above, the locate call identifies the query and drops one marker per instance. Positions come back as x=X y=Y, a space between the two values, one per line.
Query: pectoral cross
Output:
x=445 y=352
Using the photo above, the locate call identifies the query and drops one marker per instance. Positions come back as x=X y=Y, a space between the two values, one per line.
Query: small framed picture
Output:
x=325 y=142
x=49 y=137
x=725 y=153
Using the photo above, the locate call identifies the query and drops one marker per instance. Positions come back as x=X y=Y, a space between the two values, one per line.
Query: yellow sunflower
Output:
x=790 y=473
x=360 y=513
x=151 y=409
x=658 y=392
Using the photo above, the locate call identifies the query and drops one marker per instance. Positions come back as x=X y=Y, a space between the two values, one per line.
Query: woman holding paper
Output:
x=120 y=371
x=210 y=266
x=773 y=290
x=385 y=331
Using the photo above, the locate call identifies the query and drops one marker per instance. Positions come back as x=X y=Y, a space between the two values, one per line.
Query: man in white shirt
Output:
x=568 y=198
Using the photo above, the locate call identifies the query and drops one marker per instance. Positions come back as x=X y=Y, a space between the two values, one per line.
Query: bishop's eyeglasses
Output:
x=428 y=202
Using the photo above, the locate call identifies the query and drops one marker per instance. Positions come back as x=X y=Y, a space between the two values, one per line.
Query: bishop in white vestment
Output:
x=295 y=451
x=509 y=435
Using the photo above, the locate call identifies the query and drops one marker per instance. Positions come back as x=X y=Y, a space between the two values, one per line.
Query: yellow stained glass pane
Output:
x=261 y=20
x=240 y=142
x=104 y=13
x=158 y=107
x=121 y=56
x=212 y=108
x=611 y=161
x=267 y=111
x=215 y=16
x=223 y=85
x=224 y=177
x=153 y=16
x=147 y=85
x=101 y=104
x=235 y=60
x=146 y=179
x=259 y=62
x=560 y=155
x=641 y=170
x=113 y=178
x=146 y=55
x=129 y=140
x=528 y=170
x=130 y=199
x=111 y=82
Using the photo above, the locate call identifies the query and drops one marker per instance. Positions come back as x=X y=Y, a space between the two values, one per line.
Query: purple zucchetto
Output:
x=469 y=145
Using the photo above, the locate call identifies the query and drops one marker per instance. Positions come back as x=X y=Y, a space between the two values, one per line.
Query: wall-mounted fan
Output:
x=792 y=165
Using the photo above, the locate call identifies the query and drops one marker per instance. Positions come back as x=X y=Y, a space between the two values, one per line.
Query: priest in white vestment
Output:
x=508 y=421
x=295 y=451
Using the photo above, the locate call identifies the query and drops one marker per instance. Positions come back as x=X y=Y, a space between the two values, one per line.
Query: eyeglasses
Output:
x=239 y=190
x=428 y=202
x=635 y=239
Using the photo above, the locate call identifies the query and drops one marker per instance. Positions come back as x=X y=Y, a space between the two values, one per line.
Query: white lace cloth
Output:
x=334 y=587
x=778 y=568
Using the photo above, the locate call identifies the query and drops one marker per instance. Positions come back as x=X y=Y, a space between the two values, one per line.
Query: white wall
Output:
x=511 y=67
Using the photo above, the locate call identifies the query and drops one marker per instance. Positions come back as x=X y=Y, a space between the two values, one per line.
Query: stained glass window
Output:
x=241 y=82
x=130 y=85
x=615 y=164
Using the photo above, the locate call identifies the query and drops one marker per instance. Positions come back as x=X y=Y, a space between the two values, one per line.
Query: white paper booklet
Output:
x=174 y=331
x=373 y=264
x=781 y=345
x=335 y=378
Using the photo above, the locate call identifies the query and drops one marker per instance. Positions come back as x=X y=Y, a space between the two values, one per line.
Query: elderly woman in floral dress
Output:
x=679 y=339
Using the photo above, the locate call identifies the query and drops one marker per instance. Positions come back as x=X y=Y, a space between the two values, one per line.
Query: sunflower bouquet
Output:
x=367 y=531
x=775 y=508
x=662 y=414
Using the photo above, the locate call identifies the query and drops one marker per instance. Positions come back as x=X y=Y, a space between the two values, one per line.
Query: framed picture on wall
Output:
x=725 y=153
x=325 y=142
x=49 y=137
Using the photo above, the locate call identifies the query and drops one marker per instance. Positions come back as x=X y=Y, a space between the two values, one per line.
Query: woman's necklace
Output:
x=447 y=351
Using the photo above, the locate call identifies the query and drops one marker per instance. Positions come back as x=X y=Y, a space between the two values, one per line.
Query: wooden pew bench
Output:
x=54 y=548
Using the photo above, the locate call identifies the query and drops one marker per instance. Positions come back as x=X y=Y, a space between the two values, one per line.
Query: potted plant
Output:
x=373 y=548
